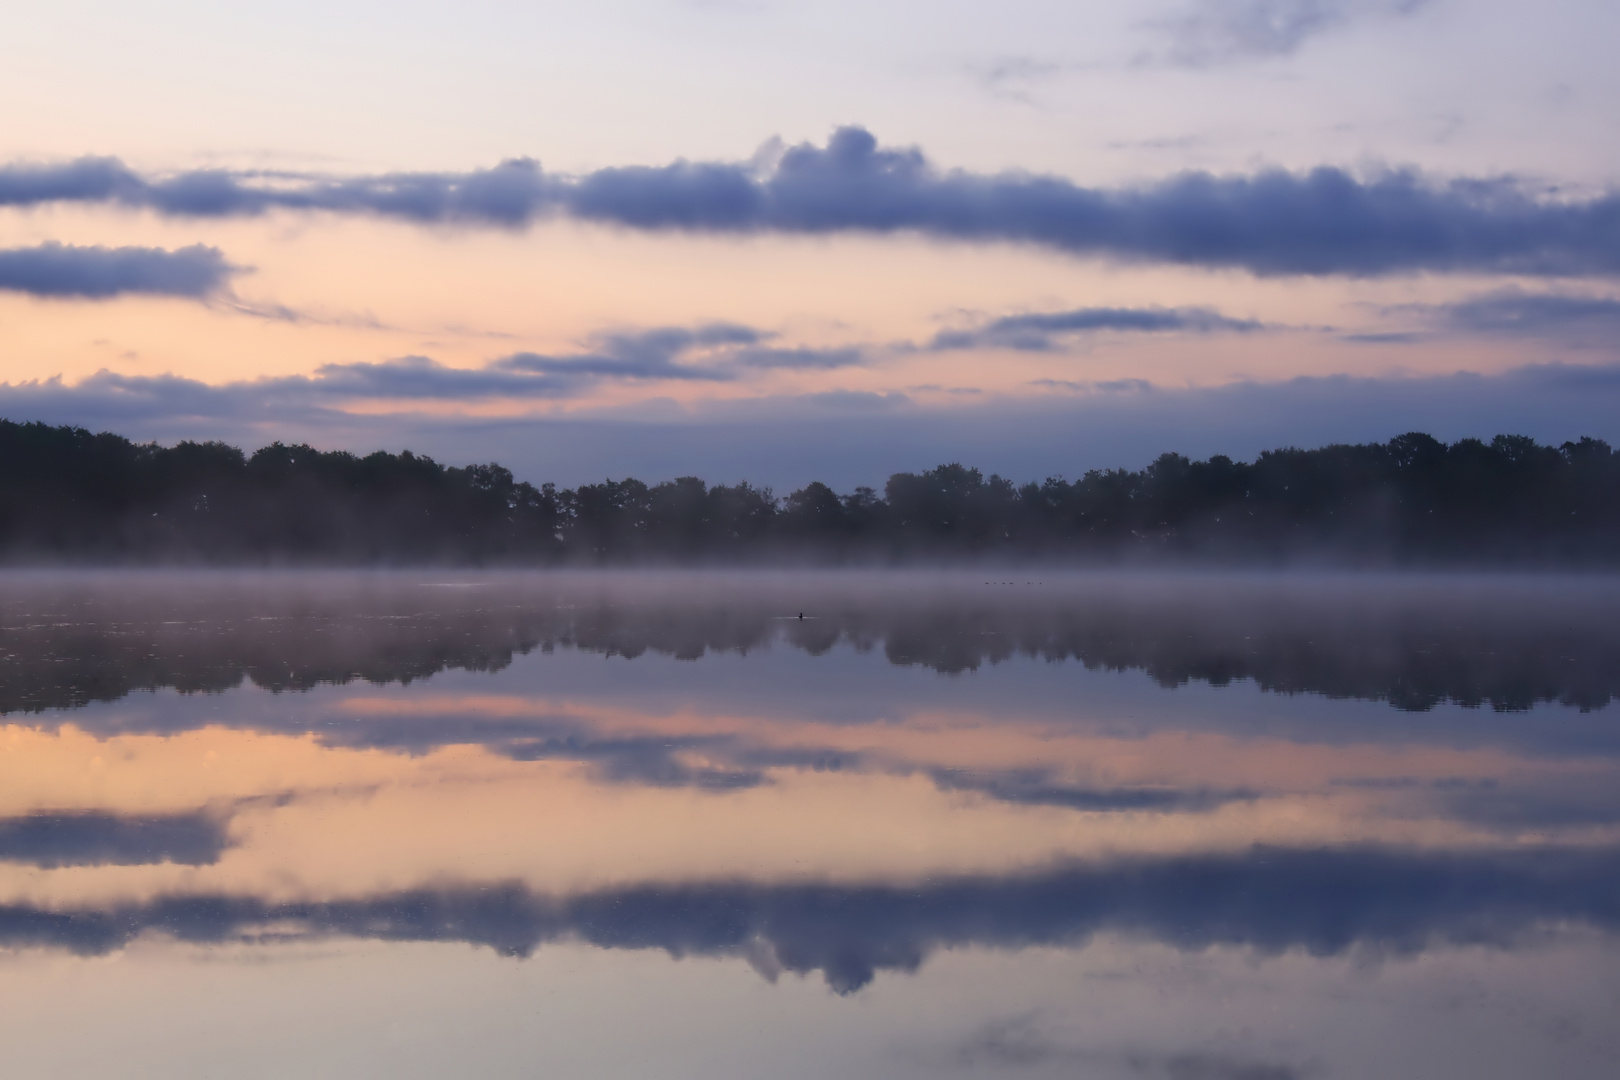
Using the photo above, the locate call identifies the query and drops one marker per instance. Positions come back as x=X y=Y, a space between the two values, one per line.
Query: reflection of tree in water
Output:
x=1411 y=644
x=1414 y=664
x=88 y=653
x=79 y=668
x=1413 y=652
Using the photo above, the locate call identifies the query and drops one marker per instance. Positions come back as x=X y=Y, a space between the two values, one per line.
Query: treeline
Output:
x=69 y=495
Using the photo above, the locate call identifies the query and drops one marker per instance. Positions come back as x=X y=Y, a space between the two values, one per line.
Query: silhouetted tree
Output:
x=66 y=494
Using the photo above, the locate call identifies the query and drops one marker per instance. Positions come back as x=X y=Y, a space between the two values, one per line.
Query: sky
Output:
x=749 y=240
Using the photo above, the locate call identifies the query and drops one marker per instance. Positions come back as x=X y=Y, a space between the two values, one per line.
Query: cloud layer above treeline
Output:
x=844 y=437
x=1273 y=222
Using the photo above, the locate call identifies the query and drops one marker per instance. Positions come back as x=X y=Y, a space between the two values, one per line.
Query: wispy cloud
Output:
x=708 y=353
x=650 y=354
x=100 y=273
x=1274 y=222
x=1517 y=313
x=1048 y=331
x=1212 y=32
x=1578 y=320
x=1013 y=77
x=766 y=359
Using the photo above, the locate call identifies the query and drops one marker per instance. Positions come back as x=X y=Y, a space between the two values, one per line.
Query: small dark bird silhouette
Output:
x=801 y=615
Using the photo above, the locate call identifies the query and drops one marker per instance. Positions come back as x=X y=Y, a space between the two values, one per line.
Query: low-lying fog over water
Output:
x=1174 y=827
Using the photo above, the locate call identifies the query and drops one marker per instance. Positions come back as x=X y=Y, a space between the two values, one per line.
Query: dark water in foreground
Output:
x=645 y=825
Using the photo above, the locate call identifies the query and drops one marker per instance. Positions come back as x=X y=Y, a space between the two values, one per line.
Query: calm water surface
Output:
x=658 y=825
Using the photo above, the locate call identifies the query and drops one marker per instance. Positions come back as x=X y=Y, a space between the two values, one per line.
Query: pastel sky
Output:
x=783 y=242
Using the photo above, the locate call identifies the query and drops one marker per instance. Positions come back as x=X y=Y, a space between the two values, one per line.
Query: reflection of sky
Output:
x=820 y=804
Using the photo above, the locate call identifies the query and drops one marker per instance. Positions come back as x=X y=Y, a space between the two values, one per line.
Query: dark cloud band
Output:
x=1325 y=221
x=99 y=273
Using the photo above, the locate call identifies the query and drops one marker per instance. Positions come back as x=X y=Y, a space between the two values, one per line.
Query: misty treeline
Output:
x=69 y=495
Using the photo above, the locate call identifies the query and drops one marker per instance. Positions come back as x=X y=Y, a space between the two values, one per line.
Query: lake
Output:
x=911 y=824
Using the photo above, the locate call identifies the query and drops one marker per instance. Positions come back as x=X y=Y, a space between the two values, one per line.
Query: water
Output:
x=959 y=825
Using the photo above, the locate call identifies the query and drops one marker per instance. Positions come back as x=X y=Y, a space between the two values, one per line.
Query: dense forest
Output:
x=67 y=495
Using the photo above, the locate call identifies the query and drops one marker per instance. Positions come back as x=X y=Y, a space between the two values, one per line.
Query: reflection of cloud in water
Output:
x=730 y=761
x=1409 y=640
x=657 y=761
x=1018 y=1042
x=1210 y=1067
x=1536 y=804
x=1325 y=902
x=1511 y=803
x=1035 y=787
x=98 y=838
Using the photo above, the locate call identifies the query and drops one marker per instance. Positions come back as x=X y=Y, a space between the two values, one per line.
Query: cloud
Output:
x=715 y=353
x=648 y=354
x=1325 y=902
x=1274 y=222
x=98 y=838
x=1213 y=32
x=1394 y=337
x=99 y=273
x=1573 y=318
x=725 y=350
x=1576 y=320
x=800 y=359
x=89 y=179
x=1045 y=331
x=1012 y=77
x=510 y=194
x=843 y=438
